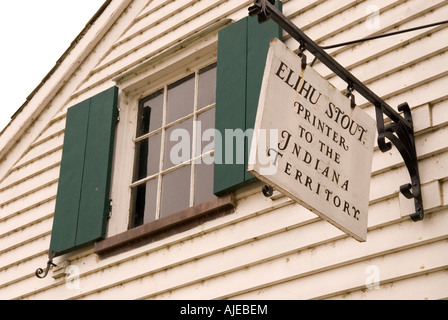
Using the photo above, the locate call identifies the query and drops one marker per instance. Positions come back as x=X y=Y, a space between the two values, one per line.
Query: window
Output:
x=165 y=179
x=174 y=148
x=157 y=176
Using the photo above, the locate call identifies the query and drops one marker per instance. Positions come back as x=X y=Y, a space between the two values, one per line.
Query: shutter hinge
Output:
x=118 y=117
x=110 y=209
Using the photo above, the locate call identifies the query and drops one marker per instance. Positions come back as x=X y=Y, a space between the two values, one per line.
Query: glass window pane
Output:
x=148 y=156
x=207 y=87
x=145 y=202
x=141 y=158
x=175 y=191
x=151 y=201
x=138 y=206
x=150 y=113
x=203 y=184
x=206 y=121
x=180 y=99
x=154 y=143
x=178 y=143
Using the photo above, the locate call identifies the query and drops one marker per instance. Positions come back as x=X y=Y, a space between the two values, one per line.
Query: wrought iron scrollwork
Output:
x=50 y=263
x=403 y=139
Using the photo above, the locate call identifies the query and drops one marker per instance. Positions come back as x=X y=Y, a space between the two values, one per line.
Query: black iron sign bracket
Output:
x=400 y=130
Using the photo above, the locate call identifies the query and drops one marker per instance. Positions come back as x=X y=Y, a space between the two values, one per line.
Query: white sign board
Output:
x=311 y=145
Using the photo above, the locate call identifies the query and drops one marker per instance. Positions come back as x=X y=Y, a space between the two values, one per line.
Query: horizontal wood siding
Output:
x=270 y=248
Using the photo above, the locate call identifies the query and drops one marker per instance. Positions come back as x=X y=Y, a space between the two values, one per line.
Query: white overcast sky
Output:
x=33 y=35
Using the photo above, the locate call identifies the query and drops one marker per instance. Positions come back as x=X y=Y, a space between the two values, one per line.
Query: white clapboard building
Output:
x=116 y=167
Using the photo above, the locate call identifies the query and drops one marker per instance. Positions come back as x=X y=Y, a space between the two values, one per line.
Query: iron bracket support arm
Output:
x=400 y=130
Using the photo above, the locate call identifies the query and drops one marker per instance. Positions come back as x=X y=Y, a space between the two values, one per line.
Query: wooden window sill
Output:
x=165 y=227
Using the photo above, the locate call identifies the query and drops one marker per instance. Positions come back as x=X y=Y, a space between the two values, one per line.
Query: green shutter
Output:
x=258 y=41
x=82 y=203
x=70 y=178
x=230 y=101
x=242 y=52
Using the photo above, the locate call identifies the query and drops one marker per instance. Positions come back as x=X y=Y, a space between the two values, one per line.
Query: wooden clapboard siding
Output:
x=376 y=54
x=255 y=252
x=270 y=248
x=174 y=26
x=336 y=281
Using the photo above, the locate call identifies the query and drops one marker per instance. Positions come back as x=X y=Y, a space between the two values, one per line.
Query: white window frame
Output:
x=138 y=83
x=196 y=155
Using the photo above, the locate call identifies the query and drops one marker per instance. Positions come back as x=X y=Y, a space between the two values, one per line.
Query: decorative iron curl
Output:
x=50 y=263
x=404 y=141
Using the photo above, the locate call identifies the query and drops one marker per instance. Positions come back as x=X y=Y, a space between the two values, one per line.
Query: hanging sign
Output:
x=311 y=145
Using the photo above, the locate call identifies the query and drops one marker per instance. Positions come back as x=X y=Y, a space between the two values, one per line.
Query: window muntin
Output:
x=163 y=185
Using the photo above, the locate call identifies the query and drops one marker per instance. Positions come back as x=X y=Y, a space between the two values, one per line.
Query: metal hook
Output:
x=350 y=95
x=301 y=54
x=259 y=9
x=50 y=263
